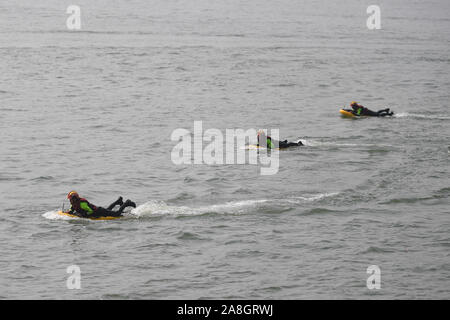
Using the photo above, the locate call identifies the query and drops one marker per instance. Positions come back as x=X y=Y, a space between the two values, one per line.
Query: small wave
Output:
x=406 y=200
x=420 y=116
x=10 y=178
x=282 y=85
x=373 y=249
x=312 y=198
x=114 y=296
x=42 y=178
x=440 y=194
x=319 y=211
x=182 y=196
x=183 y=235
x=444 y=191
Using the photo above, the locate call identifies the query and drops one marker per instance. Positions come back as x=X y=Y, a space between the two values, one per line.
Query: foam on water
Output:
x=53 y=215
x=316 y=143
x=420 y=116
x=158 y=208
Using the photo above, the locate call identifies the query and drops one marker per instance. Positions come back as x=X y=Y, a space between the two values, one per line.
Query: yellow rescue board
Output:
x=347 y=113
x=97 y=218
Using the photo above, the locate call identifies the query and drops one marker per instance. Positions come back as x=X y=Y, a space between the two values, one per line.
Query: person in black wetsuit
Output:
x=82 y=208
x=271 y=144
x=360 y=110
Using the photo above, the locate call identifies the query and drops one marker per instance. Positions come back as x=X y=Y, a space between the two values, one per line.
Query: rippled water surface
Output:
x=93 y=110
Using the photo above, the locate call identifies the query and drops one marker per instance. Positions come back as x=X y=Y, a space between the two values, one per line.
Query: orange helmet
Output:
x=72 y=194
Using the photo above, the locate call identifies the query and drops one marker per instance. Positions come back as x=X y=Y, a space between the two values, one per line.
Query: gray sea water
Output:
x=93 y=110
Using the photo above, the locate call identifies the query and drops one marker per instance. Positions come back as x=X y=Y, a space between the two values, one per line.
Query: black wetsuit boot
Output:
x=385 y=112
x=118 y=202
x=127 y=203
